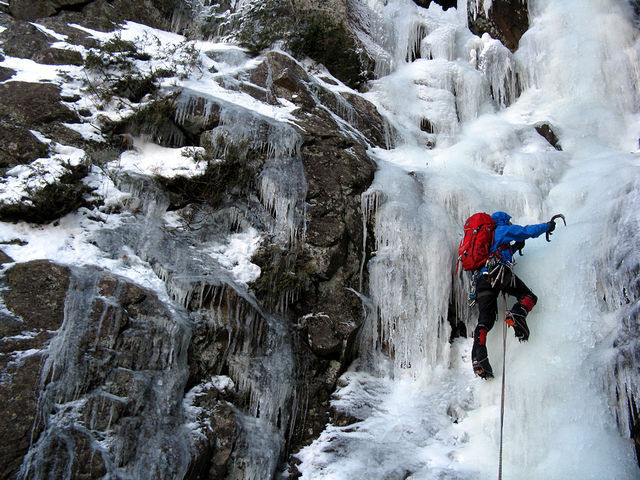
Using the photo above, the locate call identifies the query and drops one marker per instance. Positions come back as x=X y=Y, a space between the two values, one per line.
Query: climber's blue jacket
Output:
x=506 y=233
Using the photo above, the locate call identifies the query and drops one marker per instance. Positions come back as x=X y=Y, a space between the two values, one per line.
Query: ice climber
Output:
x=496 y=277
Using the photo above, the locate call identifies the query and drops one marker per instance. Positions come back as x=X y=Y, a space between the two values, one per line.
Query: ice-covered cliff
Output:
x=224 y=259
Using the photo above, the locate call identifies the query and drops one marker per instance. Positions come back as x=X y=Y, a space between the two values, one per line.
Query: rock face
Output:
x=212 y=378
x=35 y=294
x=319 y=30
x=322 y=316
x=99 y=13
x=547 y=132
x=99 y=348
x=507 y=21
x=29 y=108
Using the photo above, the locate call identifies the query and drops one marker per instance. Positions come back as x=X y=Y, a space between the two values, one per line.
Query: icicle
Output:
x=474 y=7
x=440 y=43
x=283 y=192
x=240 y=127
x=408 y=324
x=497 y=64
x=187 y=103
x=369 y=202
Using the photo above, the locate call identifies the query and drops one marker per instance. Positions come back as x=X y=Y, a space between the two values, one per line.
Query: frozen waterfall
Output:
x=423 y=415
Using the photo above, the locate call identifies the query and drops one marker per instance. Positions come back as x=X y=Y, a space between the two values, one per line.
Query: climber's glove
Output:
x=552 y=226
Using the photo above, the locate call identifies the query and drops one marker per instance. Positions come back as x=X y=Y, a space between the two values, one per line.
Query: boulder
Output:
x=322 y=336
x=6 y=73
x=23 y=40
x=218 y=434
x=98 y=14
x=32 y=9
x=337 y=9
x=36 y=293
x=58 y=56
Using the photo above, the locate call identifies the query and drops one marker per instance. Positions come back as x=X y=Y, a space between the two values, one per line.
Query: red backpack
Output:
x=474 y=247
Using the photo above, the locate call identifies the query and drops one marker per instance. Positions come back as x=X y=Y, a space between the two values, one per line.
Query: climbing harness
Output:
x=498 y=271
x=504 y=355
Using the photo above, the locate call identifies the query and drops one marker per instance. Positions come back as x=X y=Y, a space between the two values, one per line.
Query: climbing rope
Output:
x=504 y=355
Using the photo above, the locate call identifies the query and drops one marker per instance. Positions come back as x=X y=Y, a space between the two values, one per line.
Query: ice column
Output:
x=410 y=282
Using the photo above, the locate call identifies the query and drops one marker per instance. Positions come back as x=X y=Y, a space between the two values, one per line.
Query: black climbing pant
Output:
x=487 y=298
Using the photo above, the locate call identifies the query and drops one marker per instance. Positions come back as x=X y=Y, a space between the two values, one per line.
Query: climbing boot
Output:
x=480 y=359
x=516 y=318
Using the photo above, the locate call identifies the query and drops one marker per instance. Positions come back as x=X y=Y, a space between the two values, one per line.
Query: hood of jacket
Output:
x=501 y=218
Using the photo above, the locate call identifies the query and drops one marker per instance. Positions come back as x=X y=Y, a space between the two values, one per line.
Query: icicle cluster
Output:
x=411 y=325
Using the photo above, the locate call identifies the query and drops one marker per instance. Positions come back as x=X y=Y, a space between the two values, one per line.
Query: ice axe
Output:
x=553 y=219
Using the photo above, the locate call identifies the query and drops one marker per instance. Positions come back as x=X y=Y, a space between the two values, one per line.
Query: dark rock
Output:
x=33 y=104
x=62 y=22
x=58 y=56
x=426 y=125
x=547 y=132
x=64 y=135
x=337 y=170
x=36 y=293
x=218 y=425
x=103 y=14
x=70 y=98
x=51 y=201
x=19 y=146
x=318 y=271
x=124 y=343
x=507 y=21
x=4 y=258
x=157 y=120
x=18 y=397
x=32 y=9
x=319 y=35
x=23 y=40
x=6 y=73
x=201 y=117
x=282 y=77
x=97 y=14
x=321 y=335
x=367 y=119
x=636 y=10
